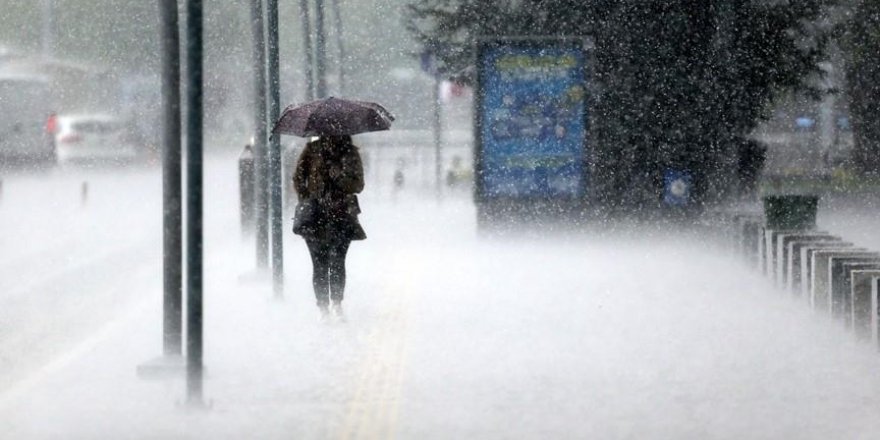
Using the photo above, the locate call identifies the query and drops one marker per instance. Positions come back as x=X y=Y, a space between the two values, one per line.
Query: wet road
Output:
x=631 y=334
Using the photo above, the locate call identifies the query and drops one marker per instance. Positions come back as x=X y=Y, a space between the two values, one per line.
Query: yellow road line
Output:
x=398 y=385
x=372 y=412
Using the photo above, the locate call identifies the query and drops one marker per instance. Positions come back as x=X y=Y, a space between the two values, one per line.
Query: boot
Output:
x=325 y=312
x=336 y=311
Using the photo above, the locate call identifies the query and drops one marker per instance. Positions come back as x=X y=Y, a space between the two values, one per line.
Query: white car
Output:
x=92 y=138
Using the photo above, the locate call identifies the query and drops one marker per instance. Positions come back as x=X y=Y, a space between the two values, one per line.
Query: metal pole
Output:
x=275 y=149
x=320 y=50
x=438 y=156
x=84 y=193
x=194 y=370
x=260 y=167
x=171 y=182
x=307 y=46
x=47 y=37
x=337 y=15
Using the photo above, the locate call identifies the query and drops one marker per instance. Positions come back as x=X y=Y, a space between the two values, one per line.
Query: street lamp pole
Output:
x=171 y=361
x=171 y=181
x=337 y=15
x=320 y=50
x=47 y=34
x=260 y=144
x=194 y=178
x=307 y=48
x=274 y=111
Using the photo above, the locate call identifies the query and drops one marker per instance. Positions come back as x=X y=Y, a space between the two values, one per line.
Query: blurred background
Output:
x=793 y=81
x=105 y=56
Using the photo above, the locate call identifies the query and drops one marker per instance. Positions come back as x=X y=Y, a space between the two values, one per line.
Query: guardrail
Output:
x=834 y=277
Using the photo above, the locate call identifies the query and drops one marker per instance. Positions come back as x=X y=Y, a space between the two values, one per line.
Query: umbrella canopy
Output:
x=333 y=117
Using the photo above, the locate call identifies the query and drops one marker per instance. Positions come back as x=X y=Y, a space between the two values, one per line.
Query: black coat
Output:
x=333 y=175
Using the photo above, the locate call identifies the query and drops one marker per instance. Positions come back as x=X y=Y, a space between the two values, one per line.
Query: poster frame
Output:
x=491 y=207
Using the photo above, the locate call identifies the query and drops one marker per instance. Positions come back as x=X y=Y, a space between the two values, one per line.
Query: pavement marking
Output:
x=24 y=256
x=50 y=274
x=32 y=381
x=398 y=384
x=373 y=411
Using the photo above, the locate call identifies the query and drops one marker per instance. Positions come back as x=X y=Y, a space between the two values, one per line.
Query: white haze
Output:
x=613 y=331
x=597 y=334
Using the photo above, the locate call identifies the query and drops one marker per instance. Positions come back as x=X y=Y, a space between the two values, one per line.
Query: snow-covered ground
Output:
x=449 y=334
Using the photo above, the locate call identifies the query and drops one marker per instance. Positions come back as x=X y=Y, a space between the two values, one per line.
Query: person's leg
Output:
x=337 y=255
x=320 y=254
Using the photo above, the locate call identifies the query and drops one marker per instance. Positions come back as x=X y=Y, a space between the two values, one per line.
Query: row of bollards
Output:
x=830 y=275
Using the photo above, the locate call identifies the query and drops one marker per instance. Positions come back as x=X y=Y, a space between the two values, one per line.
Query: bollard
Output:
x=399 y=180
x=84 y=194
x=860 y=301
x=792 y=274
x=855 y=288
x=808 y=252
x=247 y=208
x=783 y=249
x=840 y=270
x=828 y=273
x=875 y=306
x=821 y=274
x=771 y=237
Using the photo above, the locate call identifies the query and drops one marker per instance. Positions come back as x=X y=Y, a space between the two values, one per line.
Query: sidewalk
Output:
x=452 y=336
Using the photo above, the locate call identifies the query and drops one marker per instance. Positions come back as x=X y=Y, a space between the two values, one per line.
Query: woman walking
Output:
x=328 y=175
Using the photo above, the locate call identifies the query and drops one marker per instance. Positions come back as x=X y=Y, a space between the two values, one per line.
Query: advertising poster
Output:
x=532 y=119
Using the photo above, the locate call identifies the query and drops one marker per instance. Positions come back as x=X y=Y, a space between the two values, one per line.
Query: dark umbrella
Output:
x=333 y=117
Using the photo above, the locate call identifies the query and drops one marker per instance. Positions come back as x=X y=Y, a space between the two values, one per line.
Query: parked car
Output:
x=25 y=120
x=93 y=138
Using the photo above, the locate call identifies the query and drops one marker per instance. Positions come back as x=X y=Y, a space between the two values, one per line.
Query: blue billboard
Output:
x=531 y=119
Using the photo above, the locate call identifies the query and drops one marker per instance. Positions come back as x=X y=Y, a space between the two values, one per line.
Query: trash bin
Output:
x=790 y=211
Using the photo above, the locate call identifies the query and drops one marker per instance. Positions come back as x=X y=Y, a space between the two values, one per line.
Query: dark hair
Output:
x=338 y=143
x=339 y=140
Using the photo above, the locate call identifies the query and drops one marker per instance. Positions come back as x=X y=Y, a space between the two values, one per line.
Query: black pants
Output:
x=328 y=269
